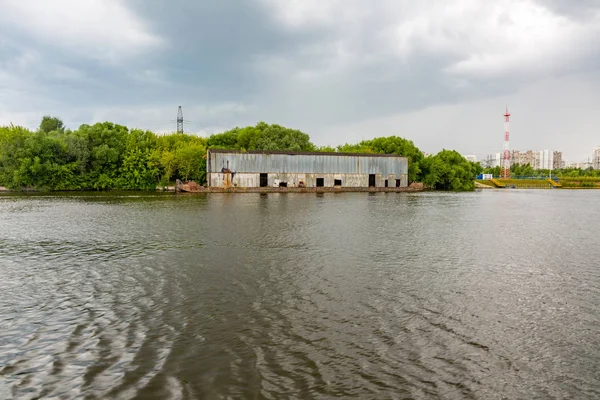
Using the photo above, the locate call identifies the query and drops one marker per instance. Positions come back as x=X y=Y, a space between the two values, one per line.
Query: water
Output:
x=486 y=295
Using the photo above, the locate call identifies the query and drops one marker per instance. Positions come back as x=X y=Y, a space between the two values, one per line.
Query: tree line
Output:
x=528 y=170
x=107 y=156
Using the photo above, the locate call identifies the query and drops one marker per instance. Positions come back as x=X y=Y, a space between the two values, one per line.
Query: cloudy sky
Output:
x=438 y=72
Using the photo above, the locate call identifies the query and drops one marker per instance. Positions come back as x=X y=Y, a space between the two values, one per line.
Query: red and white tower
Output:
x=505 y=167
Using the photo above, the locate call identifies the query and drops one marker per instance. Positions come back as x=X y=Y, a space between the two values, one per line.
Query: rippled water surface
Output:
x=486 y=295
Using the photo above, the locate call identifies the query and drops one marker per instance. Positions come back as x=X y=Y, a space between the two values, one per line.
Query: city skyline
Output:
x=538 y=159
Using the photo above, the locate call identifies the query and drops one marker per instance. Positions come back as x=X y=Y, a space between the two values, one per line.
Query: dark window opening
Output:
x=397 y=182
x=264 y=180
x=320 y=182
x=282 y=184
x=337 y=182
x=386 y=183
x=372 y=180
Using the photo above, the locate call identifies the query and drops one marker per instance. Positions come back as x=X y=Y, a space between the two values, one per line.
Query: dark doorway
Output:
x=372 y=180
x=264 y=180
x=397 y=182
x=337 y=182
x=320 y=182
x=386 y=183
x=282 y=184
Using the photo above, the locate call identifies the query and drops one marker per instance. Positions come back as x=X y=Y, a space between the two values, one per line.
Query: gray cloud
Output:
x=340 y=70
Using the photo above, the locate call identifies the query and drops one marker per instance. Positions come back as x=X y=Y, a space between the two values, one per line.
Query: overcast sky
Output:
x=438 y=72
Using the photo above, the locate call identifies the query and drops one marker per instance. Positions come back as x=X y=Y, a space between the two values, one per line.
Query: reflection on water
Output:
x=432 y=295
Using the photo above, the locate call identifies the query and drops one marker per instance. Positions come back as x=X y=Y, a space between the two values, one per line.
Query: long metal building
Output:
x=230 y=168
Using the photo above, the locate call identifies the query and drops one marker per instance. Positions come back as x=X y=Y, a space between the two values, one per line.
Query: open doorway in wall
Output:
x=397 y=182
x=264 y=180
x=320 y=182
x=386 y=183
x=372 y=180
x=337 y=182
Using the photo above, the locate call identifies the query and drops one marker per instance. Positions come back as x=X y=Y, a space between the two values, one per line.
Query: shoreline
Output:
x=302 y=190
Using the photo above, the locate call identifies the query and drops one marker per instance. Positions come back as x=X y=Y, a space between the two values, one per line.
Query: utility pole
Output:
x=179 y=120
x=505 y=170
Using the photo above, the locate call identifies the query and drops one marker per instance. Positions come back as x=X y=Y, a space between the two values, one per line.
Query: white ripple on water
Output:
x=363 y=306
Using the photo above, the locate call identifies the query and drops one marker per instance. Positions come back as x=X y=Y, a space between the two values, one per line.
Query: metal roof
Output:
x=302 y=153
x=309 y=163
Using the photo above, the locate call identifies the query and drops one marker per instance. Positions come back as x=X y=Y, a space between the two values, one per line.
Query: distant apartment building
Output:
x=525 y=157
x=546 y=159
x=557 y=161
x=470 y=157
x=580 y=165
x=492 y=160
x=596 y=158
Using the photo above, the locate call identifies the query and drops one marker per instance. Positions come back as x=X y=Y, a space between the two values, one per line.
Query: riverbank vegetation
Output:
x=110 y=156
x=588 y=174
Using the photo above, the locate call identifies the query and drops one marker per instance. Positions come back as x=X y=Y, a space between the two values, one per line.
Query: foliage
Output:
x=262 y=137
x=50 y=124
x=111 y=156
x=390 y=145
x=563 y=173
x=578 y=173
x=448 y=170
x=100 y=156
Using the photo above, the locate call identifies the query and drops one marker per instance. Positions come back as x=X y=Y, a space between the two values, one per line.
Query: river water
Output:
x=484 y=295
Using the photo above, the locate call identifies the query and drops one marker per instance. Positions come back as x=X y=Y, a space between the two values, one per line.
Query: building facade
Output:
x=557 y=161
x=492 y=160
x=546 y=159
x=580 y=165
x=528 y=157
x=230 y=168
x=596 y=158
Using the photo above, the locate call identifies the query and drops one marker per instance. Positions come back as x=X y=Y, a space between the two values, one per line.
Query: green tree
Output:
x=390 y=145
x=190 y=162
x=50 y=124
x=448 y=170
x=262 y=137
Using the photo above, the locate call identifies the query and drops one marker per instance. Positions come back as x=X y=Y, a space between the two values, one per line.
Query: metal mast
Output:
x=179 y=120
x=505 y=169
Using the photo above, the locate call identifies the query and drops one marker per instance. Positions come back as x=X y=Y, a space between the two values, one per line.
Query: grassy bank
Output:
x=520 y=183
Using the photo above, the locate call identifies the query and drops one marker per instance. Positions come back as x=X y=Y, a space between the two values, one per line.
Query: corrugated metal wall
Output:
x=244 y=179
x=309 y=164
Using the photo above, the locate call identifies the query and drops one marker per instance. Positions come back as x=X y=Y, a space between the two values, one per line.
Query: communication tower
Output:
x=179 y=120
x=505 y=168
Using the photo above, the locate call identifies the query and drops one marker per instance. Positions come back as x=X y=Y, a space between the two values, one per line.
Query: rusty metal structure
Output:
x=254 y=169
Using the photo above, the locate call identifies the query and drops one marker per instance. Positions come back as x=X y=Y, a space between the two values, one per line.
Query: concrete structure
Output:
x=470 y=157
x=557 y=161
x=596 y=158
x=546 y=159
x=492 y=160
x=230 y=168
x=581 y=165
x=526 y=157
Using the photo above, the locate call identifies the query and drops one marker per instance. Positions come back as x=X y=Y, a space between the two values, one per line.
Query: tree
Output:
x=326 y=149
x=448 y=170
x=190 y=162
x=225 y=140
x=50 y=124
x=262 y=137
x=111 y=156
x=391 y=145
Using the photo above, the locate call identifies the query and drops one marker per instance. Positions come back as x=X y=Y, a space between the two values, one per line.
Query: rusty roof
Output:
x=303 y=153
